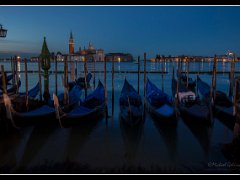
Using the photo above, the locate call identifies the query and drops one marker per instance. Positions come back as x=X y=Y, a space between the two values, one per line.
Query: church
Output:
x=89 y=54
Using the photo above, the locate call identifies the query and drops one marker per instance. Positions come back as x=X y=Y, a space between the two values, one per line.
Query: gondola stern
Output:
x=9 y=110
x=58 y=110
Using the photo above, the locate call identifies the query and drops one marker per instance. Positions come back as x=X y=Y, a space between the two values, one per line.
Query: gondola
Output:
x=21 y=105
x=91 y=108
x=132 y=136
x=188 y=82
x=12 y=89
x=169 y=136
x=80 y=81
x=32 y=93
x=223 y=106
x=160 y=104
x=131 y=107
x=74 y=96
x=42 y=115
x=190 y=105
x=8 y=78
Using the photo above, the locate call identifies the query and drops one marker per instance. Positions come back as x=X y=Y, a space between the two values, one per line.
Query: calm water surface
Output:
x=109 y=144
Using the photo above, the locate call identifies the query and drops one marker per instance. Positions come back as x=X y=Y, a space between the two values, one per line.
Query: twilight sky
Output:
x=174 y=30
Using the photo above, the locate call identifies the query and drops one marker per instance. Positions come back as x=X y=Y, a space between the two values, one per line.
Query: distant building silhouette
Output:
x=71 y=44
x=120 y=57
x=90 y=54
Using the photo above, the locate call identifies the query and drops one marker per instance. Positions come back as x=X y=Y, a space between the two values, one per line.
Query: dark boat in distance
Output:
x=91 y=108
x=131 y=106
x=160 y=104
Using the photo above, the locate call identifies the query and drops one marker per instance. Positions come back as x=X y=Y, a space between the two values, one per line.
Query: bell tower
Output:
x=71 y=44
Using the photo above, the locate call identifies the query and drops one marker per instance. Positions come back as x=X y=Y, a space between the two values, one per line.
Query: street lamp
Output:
x=3 y=32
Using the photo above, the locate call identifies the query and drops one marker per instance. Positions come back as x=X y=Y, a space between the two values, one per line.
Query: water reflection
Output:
x=117 y=143
x=131 y=137
x=8 y=147
x=201 y=132
x=79 y=135
x=37 y=140
x=169 y=134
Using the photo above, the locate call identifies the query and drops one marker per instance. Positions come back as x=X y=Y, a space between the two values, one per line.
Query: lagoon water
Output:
x=108 y=145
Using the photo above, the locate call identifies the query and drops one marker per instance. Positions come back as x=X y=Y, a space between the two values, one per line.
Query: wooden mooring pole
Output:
x=138 y=74
x=56 y=76
x=231 y=78
x=236 y=112
x=40 y=79
x=145 y=79
x=94 y=75
x=65 y=83
x=112 y=85
x=105 y=87
x=13 y=72
x=178 y=79
x=162 y=74
x=76 y=70
x=85 y=76
x=3 y=80
x=214 y=81
x=26 y=81
x=18 y=64
x=72 y=68
x=187 y=70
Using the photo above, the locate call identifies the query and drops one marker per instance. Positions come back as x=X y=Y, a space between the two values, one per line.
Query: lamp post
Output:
x=3 y=32
x=45 y=58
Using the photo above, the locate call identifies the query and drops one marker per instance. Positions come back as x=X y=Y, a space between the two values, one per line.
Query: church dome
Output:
x=90 y=46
